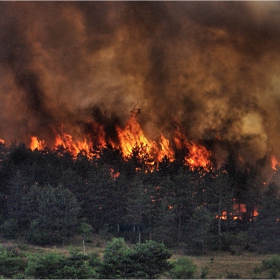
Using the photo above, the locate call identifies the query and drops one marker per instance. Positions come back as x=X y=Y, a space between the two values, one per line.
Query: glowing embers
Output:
x=237 y=213
x=274 y=162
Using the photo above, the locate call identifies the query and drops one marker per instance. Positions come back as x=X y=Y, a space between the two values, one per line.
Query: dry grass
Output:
x=225 y=265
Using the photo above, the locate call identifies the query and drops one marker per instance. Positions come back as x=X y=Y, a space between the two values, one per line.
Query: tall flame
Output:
x=198 y=155
x=132 y=137
x=36 y=144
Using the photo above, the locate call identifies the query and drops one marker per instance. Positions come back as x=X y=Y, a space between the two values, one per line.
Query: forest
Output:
x=47 y=196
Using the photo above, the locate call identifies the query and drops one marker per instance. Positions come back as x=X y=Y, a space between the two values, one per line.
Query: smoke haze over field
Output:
x=211 y=66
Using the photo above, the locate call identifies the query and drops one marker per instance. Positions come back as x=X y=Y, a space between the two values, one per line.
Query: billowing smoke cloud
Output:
x=211 y=66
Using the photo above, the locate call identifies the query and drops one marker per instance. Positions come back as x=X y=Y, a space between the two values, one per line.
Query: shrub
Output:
x=10 y=264
x=145 y=260
x=272 y=266
x=57 y=266
x=183 y=269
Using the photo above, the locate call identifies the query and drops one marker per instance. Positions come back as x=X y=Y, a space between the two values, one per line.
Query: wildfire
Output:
x=114 y=174
x=274 y=162
x=131 y=138
x=36 y=144
x=198 y=155
x=238 y=209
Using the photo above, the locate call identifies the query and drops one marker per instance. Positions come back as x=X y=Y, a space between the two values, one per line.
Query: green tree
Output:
x=98 y=198
x=138 y=206
x=183 y=201
x=184 y=268
x=264 y=231
x=150 y=259
x=56 y=216
x=86 y=231
x=116 y=260
x=199 y=231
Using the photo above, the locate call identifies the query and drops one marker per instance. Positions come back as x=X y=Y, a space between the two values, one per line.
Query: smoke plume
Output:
x=213 y=67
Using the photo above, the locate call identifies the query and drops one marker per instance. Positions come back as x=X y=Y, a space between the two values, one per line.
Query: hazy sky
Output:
x=211 y=66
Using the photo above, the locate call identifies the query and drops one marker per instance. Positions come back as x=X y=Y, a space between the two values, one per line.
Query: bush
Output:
x=43 y=266
x=145 y=260
x=204 y=272
x=150 y=259
x=272 y=266
x=57 y=266
x=183 y=269
x=117 y=262
x=10 y=264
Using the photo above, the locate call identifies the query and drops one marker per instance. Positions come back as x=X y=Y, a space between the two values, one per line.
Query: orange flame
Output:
x=237 y=211
x=198 y=155
x=165 y=150
x=36 y=144
x=274 y=162
x=131 y=136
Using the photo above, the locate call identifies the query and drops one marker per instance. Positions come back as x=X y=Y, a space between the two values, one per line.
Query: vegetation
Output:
x=184 y=268
x=271 y=265
x=47 y=197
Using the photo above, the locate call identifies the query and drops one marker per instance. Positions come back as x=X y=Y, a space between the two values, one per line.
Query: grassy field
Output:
x=219 y=265
x=225 y=265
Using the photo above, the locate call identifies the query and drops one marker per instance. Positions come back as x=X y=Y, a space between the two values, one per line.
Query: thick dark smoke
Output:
x=211 y=66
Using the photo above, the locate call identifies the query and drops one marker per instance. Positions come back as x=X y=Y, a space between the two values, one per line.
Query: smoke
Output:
x=211 y=66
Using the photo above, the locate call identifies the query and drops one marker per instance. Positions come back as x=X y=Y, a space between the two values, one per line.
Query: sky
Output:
x=211 y=68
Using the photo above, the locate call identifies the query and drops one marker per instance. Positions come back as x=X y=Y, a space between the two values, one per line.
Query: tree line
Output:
x=46 y=196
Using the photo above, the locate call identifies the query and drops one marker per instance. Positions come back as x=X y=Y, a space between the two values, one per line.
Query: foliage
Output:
x=264 y=231
x=204 y=272
x=85 y=230
x=145 y=260
x=184 y=268
x=272 y=266
x=199 y=228
x=45 y=195
x=151 y=259
x=116 y=260
x=9 y=228
x=10 y=264
x=56 y=216
x=56 y=266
